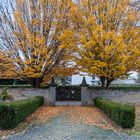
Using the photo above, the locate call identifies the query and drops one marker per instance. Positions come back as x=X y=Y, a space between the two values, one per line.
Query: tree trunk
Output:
x=109 y=81
x=35 y=82
x=103 y=79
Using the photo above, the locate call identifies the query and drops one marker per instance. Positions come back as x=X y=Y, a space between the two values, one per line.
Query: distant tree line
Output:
x=13 y=82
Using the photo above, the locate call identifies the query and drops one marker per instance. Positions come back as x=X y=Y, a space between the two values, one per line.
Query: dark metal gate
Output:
x=68 y=93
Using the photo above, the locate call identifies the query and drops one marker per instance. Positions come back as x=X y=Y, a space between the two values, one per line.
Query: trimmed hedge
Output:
x=11 y=114
x=121 y=114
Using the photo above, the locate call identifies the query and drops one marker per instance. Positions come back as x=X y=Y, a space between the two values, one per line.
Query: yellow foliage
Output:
x=7 y=69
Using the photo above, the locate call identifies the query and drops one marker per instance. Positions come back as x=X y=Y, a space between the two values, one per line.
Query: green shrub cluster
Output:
x=5 y=96
x=11 y=114
x=121 y=114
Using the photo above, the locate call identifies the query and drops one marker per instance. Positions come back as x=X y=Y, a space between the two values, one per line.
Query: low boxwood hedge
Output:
x=121 y=114
x=11 y=114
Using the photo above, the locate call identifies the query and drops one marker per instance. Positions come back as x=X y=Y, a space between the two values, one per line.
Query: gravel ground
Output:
x=62 y=128
x=59 y=129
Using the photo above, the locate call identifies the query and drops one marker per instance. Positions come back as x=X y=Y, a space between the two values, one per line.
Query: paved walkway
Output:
x=71 y=123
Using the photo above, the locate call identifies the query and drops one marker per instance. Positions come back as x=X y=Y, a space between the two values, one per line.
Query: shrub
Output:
x=121 y=114
x=11 y=114
x=5 y=96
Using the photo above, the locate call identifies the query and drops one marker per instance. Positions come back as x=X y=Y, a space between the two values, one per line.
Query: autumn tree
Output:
x=36 y=35
x=108 y=37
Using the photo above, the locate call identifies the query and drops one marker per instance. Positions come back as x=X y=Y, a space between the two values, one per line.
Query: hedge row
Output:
x=121 y=114
x=11 y=114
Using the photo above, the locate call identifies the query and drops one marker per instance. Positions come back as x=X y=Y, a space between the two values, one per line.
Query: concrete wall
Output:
x=124 y=96
x=87 y=95
x=24 y=93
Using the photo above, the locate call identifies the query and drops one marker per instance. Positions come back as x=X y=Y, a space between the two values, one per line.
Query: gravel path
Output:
x=61 y=128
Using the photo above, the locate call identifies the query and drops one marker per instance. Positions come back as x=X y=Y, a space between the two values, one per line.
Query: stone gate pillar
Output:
x=52 y=93
x=84 y=93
